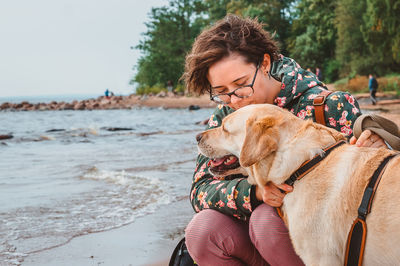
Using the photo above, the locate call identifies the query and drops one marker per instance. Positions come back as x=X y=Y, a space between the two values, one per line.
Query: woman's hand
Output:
x=368 y=139
x=271 y=194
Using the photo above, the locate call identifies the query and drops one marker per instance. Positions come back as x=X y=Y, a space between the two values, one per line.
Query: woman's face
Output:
x=233 y=71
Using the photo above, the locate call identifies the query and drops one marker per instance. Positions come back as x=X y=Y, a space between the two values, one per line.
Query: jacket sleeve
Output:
x=233 y=195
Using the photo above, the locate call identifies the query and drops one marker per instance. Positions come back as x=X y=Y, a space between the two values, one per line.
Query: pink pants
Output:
x=214 y=238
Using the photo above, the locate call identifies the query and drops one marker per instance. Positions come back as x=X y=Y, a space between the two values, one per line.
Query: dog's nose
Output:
x=199 y=136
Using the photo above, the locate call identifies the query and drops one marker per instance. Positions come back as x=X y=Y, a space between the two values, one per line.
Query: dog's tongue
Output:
x=218 y=161
x=227 y=160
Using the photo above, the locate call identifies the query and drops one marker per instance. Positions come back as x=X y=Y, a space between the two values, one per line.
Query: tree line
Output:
x=344 y=37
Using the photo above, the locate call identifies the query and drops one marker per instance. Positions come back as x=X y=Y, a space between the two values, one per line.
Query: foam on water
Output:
x=118 y=199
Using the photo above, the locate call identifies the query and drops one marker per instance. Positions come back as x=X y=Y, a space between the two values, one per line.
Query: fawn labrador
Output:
x=269 y=144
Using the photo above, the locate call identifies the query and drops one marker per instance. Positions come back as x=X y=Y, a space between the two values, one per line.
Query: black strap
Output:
x=356 y=243
x=358 y=232
x=309 y=165
x=369 y=193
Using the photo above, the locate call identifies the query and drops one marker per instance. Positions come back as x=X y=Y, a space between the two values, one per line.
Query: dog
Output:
x=269 y=143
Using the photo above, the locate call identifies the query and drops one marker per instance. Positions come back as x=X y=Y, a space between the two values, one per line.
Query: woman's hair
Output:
x=231 y=34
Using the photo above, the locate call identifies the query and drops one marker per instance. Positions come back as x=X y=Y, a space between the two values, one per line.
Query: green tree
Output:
x=351 y=50
x=216 y=9
x=275 y=14
x=170 y=34
x=313 y=37
x=368 y=36
x=381 y=33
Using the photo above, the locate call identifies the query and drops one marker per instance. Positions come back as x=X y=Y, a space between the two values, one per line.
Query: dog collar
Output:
x=309 y=165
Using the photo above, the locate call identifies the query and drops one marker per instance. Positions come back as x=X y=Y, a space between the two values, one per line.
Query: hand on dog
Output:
x=368 y=139
x=271 y=194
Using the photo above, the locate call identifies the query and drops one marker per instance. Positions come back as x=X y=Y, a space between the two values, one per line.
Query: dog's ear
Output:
x=260 y=141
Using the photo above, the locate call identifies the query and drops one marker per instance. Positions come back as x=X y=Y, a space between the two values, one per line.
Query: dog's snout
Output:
x=199 y=136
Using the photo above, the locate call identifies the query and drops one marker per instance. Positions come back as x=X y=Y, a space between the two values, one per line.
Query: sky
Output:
x=58 y=47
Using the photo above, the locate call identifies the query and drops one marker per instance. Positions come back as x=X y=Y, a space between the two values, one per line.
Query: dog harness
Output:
x=357 y=236
x=358 y=232
x=319 y=106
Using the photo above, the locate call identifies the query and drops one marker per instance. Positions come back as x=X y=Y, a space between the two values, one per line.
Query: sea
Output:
x=70 y=173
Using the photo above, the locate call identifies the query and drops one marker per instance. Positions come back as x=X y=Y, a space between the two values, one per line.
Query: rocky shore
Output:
x=162 y=100
x=387 y=103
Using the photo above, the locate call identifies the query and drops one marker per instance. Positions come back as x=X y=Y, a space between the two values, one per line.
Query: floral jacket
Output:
x=233 y=195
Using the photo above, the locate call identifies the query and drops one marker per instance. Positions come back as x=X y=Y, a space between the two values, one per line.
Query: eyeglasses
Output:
x=244 y=91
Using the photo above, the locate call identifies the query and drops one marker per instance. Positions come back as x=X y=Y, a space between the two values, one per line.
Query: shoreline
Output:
x=161 y=100
x=169 y=101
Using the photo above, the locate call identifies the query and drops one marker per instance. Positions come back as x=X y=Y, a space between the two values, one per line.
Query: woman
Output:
x=238 y=64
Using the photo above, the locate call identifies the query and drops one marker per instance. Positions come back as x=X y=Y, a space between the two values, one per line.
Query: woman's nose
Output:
x=235 y=99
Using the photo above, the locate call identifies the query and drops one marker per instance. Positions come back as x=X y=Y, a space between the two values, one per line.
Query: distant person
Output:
x=373 y=87
x=107 y=93
x=170 y=86
x=318 y=73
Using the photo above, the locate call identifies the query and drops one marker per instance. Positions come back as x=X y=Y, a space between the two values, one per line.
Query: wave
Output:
x=118 y=199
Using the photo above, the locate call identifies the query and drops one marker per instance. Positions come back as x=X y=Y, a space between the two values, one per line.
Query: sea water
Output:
x=66 y=173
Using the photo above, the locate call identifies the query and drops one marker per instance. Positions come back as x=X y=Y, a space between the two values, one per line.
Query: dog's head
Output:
x=263 y=141
x=245 y=137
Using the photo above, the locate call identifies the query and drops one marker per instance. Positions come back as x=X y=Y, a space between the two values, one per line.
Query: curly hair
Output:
x=231 y=34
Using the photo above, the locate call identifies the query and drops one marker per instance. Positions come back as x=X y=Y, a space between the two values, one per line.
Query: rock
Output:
x=55 y=130
x=193 y=107
x=43 y=107
x=5 y=105
x=79 y=106
x=8 y=136
x=116 y=128
x=68 y=106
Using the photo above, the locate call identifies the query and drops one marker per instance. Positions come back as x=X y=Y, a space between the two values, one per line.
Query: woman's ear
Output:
x=260 y=141
x=266 y=64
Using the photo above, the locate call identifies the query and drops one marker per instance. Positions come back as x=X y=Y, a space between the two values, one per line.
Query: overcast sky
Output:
x=70 y=46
